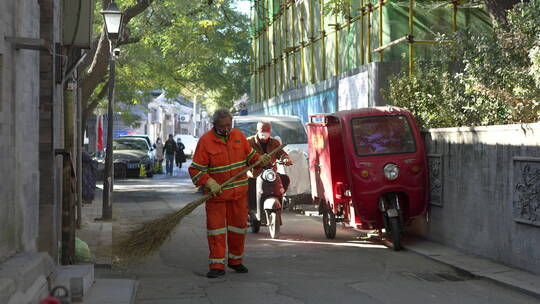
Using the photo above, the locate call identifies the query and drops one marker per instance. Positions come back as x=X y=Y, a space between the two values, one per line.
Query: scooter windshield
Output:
x=384 y=134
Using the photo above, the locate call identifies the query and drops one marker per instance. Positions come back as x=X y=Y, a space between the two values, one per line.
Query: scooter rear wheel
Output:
x=273 y=224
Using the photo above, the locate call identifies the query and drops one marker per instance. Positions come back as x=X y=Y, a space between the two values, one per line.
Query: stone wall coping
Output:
x=512 y=127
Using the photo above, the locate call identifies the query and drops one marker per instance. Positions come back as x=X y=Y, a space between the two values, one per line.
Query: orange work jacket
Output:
x=221 y=159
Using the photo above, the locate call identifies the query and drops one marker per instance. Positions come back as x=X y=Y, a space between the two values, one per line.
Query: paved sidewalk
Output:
x=97 y=234
x=480 y=267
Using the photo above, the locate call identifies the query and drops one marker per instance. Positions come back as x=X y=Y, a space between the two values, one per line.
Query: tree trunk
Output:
x=98 y=57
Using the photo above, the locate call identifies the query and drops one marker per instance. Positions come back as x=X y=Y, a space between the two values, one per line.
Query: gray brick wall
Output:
x=485 y=183
x=19 y=181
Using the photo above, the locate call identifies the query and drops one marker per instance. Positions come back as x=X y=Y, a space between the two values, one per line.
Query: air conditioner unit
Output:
x=183 y=118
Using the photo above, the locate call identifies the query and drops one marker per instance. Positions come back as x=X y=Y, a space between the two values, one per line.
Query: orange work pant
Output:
x=226 y=224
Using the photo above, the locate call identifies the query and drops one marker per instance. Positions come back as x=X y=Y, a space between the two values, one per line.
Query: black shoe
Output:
x=214 y=273
x=239 y=268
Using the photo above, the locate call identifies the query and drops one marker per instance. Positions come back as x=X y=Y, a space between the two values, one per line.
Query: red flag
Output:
x=100 y=134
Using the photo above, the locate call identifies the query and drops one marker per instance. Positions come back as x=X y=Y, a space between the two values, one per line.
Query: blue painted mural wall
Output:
x=325 y=102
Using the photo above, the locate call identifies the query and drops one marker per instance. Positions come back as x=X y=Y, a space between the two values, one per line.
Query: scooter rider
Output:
x=262 y=143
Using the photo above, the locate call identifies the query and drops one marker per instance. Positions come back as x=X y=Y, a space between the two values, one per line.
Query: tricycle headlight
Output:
x=391 y=171
x=269 y=175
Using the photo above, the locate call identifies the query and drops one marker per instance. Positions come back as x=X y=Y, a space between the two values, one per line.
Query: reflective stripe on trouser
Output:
x=226 y=224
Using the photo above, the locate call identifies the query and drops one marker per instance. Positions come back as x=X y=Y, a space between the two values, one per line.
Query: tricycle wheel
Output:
x=255 y=224
x=329 y=223
x=273 y=225
x=395 y=232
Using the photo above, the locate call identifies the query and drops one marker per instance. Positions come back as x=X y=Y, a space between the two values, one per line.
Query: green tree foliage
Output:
x=184 y=48
x=497 y=82
x=188 y=48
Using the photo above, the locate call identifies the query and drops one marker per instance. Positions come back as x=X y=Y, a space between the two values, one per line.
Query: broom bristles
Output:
x=149 y=236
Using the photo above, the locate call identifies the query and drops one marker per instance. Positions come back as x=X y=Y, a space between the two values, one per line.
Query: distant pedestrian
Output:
x=169 y=149
x=159 y=155
x=180 y=156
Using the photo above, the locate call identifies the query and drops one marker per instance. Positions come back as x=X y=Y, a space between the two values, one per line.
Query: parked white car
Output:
x=189 y=141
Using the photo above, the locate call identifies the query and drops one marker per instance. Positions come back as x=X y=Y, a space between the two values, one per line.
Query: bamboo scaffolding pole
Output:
x=274 y=61
x=287 y=77
x=336 y=47
x=295 y=78
x=390 y=44
x=282 y=58
x=362 y=48
x=311 y=37
x=381 y=53
x=411 y=34
x=302 y=51
x=369 y=9
x=323 y=45
x=265 y=50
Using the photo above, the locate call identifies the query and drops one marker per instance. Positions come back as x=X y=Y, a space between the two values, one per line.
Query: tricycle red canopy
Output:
x=368 y=169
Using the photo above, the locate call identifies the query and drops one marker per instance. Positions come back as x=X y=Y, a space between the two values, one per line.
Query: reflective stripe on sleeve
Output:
x=239 y=183
x=250 y=155
x=198 y=176
x=227 y=168
x=198 y=167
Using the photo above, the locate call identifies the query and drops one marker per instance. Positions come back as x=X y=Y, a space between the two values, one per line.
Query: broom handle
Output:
x=230 y=180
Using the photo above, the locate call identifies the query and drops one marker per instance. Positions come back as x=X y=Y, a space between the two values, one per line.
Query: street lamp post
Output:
x=113 y=26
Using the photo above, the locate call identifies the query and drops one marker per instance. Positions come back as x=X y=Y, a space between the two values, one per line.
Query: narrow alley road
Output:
x=300 y=267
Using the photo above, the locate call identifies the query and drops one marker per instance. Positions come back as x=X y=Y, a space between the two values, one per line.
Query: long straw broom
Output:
x=149 y=236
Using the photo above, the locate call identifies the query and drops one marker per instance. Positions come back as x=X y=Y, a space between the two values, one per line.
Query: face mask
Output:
x=226 y=133
x=264 y=135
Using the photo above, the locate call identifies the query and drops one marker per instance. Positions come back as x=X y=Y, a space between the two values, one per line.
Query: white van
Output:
x=292 y=132
x=289 y=129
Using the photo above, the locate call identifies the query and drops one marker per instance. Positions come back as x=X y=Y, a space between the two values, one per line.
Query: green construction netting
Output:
x=286 y=29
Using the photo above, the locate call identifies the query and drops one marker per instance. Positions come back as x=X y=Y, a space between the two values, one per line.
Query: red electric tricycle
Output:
x=368 y=169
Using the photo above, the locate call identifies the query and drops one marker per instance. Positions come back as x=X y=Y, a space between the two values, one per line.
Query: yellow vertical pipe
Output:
x=336 y=47
x=265 y=61
x=302 y=52
x=274 y=57
x=350 y=25
x=362 y=51
x=294 y=44
x=286 y=44
x=323 y=43
x=312 y=45
x=411 y=33
x=381 y=53
x=369 y=31
x=281 y=57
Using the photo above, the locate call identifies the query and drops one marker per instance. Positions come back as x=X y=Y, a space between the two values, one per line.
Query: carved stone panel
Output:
x=526 y=190
x=435 y=180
